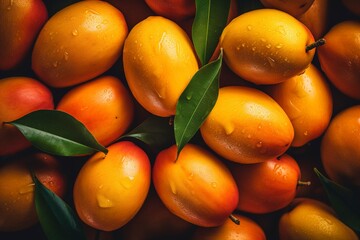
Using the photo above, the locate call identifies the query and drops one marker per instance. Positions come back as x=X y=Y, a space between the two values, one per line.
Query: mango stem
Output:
x=234 y=219
x=315 y=44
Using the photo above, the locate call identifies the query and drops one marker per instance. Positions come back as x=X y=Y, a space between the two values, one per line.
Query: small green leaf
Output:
x=210 y=20
x=57 y=219
x=344 y=201
x=196 y=102
x=156 y=132
x=57 y=133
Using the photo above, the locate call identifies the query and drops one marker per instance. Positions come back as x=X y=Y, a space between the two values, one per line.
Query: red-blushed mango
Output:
x=268 y=186
x=104 y=105
x=195 y=186
x=110 y=189
x=78 y=43
x=18 y=97
x=247 y=126
x=17 y=204
x=21 y=21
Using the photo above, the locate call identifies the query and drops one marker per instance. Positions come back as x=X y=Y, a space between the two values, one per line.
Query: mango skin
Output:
x=246 y=230
x=109 y=190
x=17 y=205
x=18 y=97
x=158 y=64
x=268 y=186
x=21 y=21
x=79 y=43
x=266 y=46
x=339 y=57
x=317 y=18
x=247 y=126
x=321 y=222
x=196 y=186
x=104 y=105
x=307 y=100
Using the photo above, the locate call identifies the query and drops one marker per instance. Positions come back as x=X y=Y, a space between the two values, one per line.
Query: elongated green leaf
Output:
x=156 y=132
x=57 y=133
x=196 y=102
x=210 y=19
x=344 y=201
x=57 y=219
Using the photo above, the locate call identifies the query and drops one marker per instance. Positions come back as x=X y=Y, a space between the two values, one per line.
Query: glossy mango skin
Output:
x=196 y=186
x=158 y=64
x=18 y=97
x=266 y=46
x=79 y=43
x=109 y=190
x=104 y=105
x=312 y=219
x=268 y=186
x=307 y=100
x=247 y=126
x=21 y=21
x=339 y=57
x=17 y=204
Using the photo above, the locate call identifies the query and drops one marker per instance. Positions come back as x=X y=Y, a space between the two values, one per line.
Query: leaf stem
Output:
x=315 y=44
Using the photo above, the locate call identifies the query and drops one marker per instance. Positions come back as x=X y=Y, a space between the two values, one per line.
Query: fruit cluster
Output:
x=180 y=119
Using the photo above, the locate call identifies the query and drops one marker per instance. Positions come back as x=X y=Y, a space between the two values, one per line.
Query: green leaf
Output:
x=156 y=132
x=196 y=102
x=57 y=219
x=57 y=133
x=210 y=20
x=344 y=201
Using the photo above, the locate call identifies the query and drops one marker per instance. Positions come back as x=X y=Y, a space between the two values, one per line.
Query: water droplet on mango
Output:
x=127 y=182
x=271 y=61
x=75 y=32
x=229 y=129
x=27 y=188
x=173 y=188
x=103 y=202
x=66 y=56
